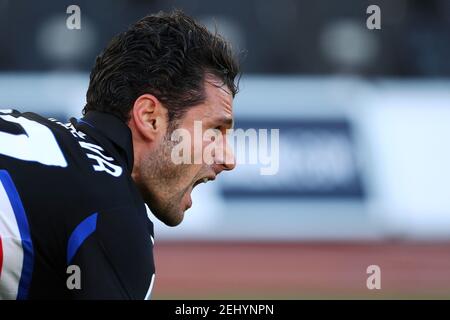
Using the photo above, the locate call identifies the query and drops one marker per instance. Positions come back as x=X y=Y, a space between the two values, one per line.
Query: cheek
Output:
x=193 y=171
x=187 y=174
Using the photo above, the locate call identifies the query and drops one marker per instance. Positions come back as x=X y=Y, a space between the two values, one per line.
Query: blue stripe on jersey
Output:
x=79 y=234
x=24 y=229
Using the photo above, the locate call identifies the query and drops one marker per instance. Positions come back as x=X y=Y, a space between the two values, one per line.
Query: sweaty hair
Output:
x=168 y=55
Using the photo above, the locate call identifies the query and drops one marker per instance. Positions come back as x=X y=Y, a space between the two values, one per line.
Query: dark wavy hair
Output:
x=167 y=55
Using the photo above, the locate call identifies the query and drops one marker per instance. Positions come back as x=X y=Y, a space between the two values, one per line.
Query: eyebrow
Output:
x=227 y=121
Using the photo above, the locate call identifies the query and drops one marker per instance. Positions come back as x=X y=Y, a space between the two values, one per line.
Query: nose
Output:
x=226 y=160
x=230 y=160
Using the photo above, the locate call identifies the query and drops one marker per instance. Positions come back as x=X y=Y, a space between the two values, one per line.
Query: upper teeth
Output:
x=205 y=180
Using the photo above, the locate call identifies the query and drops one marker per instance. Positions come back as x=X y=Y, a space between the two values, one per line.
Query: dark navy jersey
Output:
x=73 y=224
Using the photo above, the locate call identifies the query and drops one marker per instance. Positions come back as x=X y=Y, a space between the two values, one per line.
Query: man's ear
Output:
x=149 y=117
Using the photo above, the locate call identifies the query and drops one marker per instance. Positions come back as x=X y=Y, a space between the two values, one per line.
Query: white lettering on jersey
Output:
x=71 y=128
x=37 y=144
x=104 y=163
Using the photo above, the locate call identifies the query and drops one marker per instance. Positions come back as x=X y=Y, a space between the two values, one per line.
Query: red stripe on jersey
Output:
x=1 y=256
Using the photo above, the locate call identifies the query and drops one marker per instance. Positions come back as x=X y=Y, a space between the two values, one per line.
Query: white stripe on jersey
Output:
x=150 y=288
x=12 y=249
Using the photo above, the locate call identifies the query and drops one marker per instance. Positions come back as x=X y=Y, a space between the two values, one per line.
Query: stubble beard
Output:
x=160 y=179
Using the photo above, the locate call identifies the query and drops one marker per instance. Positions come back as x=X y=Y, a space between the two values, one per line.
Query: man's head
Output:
x=162 y=75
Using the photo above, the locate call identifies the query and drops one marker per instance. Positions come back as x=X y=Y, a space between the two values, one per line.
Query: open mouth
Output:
x=203 y=180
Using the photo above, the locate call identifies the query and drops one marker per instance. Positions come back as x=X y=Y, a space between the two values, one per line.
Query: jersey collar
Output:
x=113 y=129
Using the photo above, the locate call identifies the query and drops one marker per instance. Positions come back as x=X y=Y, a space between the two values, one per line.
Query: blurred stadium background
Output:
x=364 y=119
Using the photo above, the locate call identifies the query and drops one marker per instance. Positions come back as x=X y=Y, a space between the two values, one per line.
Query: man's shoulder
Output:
x=43 y=140
x=58 y=163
